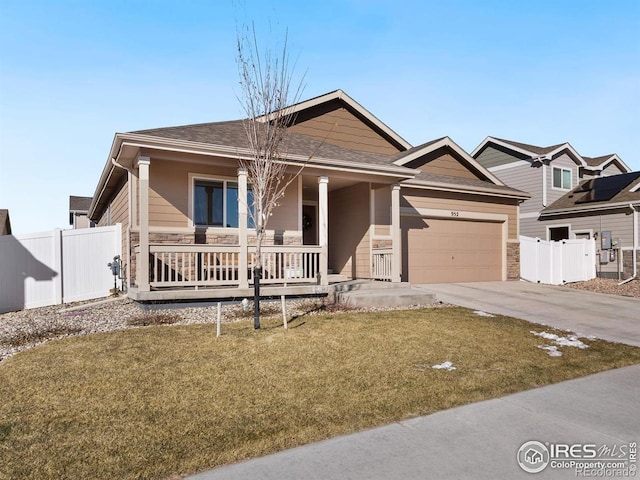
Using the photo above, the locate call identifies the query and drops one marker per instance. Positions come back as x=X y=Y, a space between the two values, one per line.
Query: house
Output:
x=79 y=212
x=5 y=223
x=366 y=205
x=547 y=173
x=604 y=208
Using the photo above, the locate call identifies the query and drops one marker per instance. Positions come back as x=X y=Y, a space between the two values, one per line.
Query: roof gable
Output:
x=524 y=151
x=337 y=111
x=444 y=157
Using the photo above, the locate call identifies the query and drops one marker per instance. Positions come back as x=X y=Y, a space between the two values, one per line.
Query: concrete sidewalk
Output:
x=477 y=441
x=608 y=317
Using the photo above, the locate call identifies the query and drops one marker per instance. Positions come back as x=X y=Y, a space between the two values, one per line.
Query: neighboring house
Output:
x=5 y=223
x=547 y=173
x=604 y=208
x=367 y=205
x=79 y=212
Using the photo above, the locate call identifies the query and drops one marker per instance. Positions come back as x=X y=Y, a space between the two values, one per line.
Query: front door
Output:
x=309 y=225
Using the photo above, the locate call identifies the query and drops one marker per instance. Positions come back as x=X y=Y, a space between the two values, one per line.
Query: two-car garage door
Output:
x=437 y=250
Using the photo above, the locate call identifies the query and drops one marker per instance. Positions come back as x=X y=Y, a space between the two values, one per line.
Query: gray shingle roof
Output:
x=596 y=161
x=617 y=185
x=531 y=148
x=79 y=204
x=232 y=134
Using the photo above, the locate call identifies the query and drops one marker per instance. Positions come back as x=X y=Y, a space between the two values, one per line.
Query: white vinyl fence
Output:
x=556 y=263
x=49 y=268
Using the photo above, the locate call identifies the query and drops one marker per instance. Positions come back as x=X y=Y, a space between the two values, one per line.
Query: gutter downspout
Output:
x=544 y=184
x=128 y=230
x=635 y=246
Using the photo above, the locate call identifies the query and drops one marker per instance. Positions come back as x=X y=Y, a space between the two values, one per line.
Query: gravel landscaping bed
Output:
x=609 y=286
x=27 y=328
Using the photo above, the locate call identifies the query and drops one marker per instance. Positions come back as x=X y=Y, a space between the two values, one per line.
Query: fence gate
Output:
x=49 y=268
x=559 y=262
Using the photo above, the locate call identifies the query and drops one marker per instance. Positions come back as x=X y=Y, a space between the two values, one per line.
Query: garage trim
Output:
x=465 y=215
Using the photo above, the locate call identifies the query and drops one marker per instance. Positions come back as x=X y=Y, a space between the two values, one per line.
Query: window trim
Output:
x=225 y=180
x=562 y=170
x=559 y=225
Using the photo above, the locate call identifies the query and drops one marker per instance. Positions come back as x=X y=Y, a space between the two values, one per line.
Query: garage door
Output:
x=442 y=250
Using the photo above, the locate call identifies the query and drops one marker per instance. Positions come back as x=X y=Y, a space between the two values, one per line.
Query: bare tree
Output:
x=266 y=97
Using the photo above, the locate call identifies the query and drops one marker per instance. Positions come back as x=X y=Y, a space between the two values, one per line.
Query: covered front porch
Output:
x=300 y=264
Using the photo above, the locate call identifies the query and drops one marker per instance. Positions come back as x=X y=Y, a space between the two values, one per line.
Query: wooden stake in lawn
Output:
x=265 y=96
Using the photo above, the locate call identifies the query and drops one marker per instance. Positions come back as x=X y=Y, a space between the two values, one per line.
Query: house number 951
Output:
x=455 y=214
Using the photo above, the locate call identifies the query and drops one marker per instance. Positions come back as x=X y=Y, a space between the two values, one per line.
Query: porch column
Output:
x=143 y=191
x=323 y=231
x=396 y=238
x=242 y=228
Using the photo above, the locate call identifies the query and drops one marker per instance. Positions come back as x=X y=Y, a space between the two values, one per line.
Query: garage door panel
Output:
x=440 y=250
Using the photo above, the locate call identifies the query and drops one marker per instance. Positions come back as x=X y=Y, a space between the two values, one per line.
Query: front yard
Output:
x=161 y=402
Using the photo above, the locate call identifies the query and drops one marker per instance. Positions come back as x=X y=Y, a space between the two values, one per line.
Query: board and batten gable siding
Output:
x=336 y=125
x=420 y=199
x=349 y=226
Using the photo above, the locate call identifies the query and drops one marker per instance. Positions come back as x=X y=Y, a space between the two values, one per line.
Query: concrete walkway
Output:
x=608 y=317
x=476 y=441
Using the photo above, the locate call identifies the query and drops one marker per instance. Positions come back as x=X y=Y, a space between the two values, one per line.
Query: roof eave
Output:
x=453 y=187
x=588 y=208
x=448 y=142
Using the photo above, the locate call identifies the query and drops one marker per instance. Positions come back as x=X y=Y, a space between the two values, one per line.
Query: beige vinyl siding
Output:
x=491 y=157
x=420 y=199
x=342 y=128
x=117 y=210
x=169 y=194
x=447 y=165
x=349 y=247
x=285 y=215
x=382 y=211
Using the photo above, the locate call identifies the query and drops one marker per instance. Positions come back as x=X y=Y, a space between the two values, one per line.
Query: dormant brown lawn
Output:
x=159 y=402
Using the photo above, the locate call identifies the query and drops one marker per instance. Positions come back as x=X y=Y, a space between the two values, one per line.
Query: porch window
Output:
x=562 y=178
x=216 y=203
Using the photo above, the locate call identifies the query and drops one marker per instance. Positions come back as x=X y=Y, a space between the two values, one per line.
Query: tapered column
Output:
x=143 y=191
x=396 y=238
x=242 y=228
x=323 y=230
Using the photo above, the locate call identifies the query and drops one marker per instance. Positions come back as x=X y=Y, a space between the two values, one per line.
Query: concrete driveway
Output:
x=608 y=317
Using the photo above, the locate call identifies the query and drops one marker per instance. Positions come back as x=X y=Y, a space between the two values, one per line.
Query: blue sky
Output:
x=72 y=73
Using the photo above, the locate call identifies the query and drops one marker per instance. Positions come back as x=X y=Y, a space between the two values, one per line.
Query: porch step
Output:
x=381 y=294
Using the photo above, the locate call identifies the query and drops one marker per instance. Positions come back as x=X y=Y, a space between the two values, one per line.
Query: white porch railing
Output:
x=218 y=265
x=287 y=264
x=381 y=263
